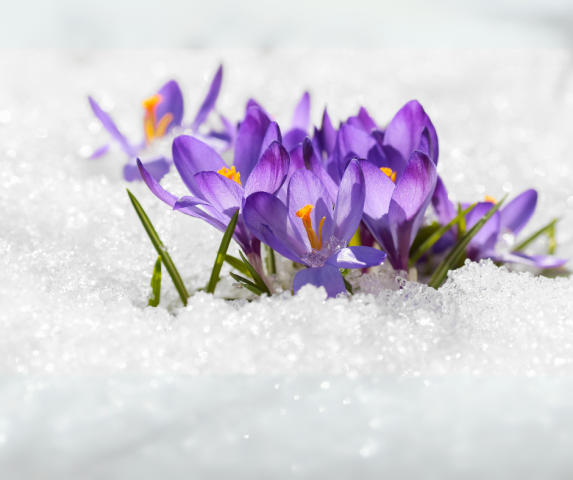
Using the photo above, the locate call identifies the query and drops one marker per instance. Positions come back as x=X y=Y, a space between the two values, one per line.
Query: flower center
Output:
x=389 y=173
x=231 y=174
x=487 y=198
x=304 y=215
x=154 y=129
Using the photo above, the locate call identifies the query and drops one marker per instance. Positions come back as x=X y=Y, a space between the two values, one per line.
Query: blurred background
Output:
x=296 y=23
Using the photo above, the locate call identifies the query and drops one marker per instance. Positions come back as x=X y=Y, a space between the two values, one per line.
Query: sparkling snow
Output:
x=473 y=380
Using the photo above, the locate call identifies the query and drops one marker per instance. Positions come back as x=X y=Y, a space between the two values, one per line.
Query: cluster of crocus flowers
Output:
x=310 y=193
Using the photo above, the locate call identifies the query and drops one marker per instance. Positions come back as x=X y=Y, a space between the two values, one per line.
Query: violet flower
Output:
x=306 y=230
x=497 y=236
x=261 y=164
x=163 y=112
x=393 y=212
x=388 y=148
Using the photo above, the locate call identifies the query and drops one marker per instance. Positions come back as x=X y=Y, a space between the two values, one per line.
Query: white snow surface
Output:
x=470 y=381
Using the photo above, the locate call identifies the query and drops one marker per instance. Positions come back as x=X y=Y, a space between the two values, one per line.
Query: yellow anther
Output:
x=163 y=124
x=304 y=215
x=231 y=174
x=389 y=173
x=487 y=198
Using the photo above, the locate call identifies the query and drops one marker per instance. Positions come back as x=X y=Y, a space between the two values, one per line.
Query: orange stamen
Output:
x=389 y=173
x=304 y=215
x=231 y=174
x=151 y=127
x=487 y=198
x=163 y=124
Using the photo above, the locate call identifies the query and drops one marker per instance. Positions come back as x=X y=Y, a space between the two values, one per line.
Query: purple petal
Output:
x=326 y=276
x=486 y=238
x=110 y=126
x=249 y=141
x=171 y=102
x=350 y=142
x=210 y=100
x=101 y=151
x=354 y=140
x=185 y=202
x=444 y=208
x=410 y=199
x=192 y=156
x=349 y=202
x=327 y=134
x=171 y=199
x=305 y=188
x=253 y=103
x=273 y=134
x=356 y=257
x=157 y=168
x=304 y=156
x=378 y=188
x=267 y=219
x=405 y=130
x=301 y=117
x=225 y=195
x=363 y=121
x=271 y=171
x=426 y=145
x=516 y=214
x=293 y=138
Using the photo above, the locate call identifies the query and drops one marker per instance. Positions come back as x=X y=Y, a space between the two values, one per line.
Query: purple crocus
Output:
x=393 y=212
x=496 y=238
x=261 y=164
x=308 y=231
x=163 y=112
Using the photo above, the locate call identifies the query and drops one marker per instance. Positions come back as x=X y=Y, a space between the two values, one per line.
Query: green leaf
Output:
x=548 y=229
x=247 y=284
x=347 y=285
x=256 y=277
x=436 y=235
x=271 y=262
x=459 y=249
x=160 y=248
x=237 y=264
x=156 y=284
x=222 y=253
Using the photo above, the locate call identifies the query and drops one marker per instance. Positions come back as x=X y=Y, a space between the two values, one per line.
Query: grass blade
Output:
x=247 y=284
x=160 y=248
x=256 y=277
x=453 y=257
x=348 y=286
x=222 y=253
x=437 y=234
x=237 y=264
x=547 y=229
x=156 y=284
x=271 y=262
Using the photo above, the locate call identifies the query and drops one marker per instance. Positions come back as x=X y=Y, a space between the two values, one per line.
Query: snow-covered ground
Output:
x=471 y=381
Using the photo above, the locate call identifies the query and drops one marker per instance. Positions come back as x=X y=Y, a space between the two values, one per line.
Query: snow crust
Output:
x=472 y=378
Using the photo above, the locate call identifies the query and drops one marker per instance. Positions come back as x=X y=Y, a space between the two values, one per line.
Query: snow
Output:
x=472 y=380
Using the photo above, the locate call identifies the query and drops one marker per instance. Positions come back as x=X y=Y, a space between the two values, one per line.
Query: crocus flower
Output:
x=388 y=148
x=261 y=164
x=163 y=112
x=308 y=231
x=393 y=212
x=495 y=239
